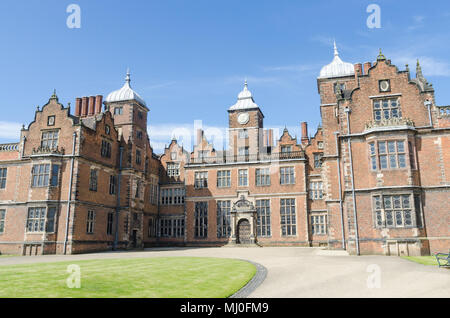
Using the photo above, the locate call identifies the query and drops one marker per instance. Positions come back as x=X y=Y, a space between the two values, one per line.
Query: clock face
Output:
x=385 y=86
x=243 y=118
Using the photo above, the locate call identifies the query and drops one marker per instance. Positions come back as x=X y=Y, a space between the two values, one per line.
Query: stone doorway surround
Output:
x=243 y=210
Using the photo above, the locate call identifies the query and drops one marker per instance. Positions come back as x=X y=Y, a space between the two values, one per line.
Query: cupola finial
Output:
x=336 y=52
x=128 y=78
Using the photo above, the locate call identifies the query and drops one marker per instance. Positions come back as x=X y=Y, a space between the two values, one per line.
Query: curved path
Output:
x=305 y=272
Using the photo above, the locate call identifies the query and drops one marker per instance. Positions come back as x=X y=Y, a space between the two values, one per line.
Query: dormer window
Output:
x=173 y=169
x=286 y=149
x=386 y=109
x=107 y=129
x=49 y=139
x=318 y=160
x=106 y=149
x=202 y=154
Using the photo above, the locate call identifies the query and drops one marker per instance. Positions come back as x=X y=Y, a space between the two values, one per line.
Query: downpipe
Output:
x=70 y=193
x=119 y=181
x=336 y=134
x=347 y=111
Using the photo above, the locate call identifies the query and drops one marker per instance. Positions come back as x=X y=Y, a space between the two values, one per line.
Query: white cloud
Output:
x=430 y=65
x=10 y=131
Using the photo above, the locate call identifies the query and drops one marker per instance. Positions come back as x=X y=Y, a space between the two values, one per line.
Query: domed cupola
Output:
x=337 y=68
x=126 y=93
x=245 y=100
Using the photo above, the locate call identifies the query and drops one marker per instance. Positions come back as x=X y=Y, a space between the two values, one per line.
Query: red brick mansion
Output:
x=374 y=179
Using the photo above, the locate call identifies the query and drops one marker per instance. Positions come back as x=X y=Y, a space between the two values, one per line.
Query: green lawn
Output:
x=425 y=260
x=169 y=277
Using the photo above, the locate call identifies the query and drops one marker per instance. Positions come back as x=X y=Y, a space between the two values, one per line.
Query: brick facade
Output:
x=374 y=178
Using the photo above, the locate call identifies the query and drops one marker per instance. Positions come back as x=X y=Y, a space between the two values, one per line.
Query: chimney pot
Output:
x=367 y=65
x=305 y=138
x=98 y=104
x=91 y=105
x=78 y=106
x=84 y=107
x=358 y=69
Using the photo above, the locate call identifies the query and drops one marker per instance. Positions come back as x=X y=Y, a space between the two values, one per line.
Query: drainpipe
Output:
x=70 y=193
x=340 y=188
x=119 y=181
x=347 y=111
x=428 y=105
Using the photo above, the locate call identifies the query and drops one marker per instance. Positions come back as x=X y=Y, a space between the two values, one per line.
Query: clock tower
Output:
x=245 y=125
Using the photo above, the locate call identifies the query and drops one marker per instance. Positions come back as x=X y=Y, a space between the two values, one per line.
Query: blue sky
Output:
x=188 y=59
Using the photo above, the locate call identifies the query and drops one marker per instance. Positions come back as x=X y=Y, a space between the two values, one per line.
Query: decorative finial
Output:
x=37 y=108
x=407 y=67
x=419 y=73
x=54 y=95
x=381 y=56
x=127 y=78
x=336 y=53
x=245 y=84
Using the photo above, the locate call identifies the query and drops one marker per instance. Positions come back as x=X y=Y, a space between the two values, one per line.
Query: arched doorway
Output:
x=244 y=232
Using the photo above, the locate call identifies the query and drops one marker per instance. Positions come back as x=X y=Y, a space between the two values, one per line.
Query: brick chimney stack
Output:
x=367 y=65
x=98 y=104
x=84 y=107
x=78 y=107
x=305 y=138
x=91 y=105
x=358 y=69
